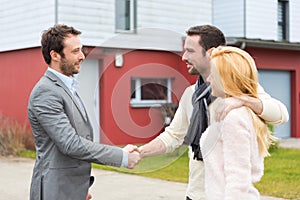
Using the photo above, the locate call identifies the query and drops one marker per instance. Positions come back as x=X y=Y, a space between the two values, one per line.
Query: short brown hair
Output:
x=210 y=36
x=52 y=39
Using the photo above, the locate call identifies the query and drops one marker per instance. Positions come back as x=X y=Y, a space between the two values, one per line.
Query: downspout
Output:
x=243 y=45
x=55 y=11
x=245 y=10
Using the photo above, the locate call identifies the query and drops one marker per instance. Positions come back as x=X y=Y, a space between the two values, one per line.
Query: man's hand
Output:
x=153 y=148
x=134 y=155
x=131 y=148
x=224 y=106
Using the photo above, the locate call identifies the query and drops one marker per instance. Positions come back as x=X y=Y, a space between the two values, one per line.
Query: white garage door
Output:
x=89 y=92
x=277 y=84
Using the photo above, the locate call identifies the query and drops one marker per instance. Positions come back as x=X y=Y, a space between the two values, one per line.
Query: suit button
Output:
x=88 y=137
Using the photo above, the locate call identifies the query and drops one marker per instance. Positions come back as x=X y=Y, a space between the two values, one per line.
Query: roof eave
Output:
x=259 y=43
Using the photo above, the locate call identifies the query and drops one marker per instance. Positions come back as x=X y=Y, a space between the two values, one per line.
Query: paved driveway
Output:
x=15 y=175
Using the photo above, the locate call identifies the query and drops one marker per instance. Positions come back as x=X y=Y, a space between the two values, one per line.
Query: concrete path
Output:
x=15 y=175
x=290 y=143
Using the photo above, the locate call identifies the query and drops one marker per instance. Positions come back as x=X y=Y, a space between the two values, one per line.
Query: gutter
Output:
x=259 y=43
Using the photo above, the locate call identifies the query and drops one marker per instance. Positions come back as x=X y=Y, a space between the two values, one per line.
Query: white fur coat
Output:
x=231 y=158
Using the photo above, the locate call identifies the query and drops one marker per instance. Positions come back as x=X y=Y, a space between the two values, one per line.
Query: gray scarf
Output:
x=200 y=116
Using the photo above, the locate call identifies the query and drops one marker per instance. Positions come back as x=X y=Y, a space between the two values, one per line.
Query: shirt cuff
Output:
x=124 y=159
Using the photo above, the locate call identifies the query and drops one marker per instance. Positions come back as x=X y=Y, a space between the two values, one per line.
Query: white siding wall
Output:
x=88 y=79
x=228 y=15
x=173 y=15
x=294 y=20
x=21 y=22
x=160 y=24
x=95 y=18
x=261 y=19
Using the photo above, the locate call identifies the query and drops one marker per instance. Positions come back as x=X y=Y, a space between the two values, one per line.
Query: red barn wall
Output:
x=283 y=60
x=20 y=70
x=121 y=123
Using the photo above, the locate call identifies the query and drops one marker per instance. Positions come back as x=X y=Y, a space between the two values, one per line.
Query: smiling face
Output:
x=196 y=58
x=217 y=88
x=68 y=62
x=235 y=70
x=73 y=56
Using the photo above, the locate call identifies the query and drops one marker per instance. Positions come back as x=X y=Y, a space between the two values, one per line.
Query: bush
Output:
x=14 y=137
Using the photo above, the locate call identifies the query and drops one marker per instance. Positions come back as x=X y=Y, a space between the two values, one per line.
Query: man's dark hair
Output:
x=52 y=39
x=210 y=36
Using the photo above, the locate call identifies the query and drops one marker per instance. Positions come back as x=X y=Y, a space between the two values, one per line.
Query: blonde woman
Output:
x=234 y=148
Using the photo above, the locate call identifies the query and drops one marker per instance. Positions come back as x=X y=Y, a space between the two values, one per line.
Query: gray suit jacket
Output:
x=63 y=140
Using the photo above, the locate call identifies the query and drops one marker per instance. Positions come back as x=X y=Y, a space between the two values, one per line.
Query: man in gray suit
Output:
x=62 y=130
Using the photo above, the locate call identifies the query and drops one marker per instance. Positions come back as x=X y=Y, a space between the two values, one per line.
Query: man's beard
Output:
x=67 y=68
x=193 y=71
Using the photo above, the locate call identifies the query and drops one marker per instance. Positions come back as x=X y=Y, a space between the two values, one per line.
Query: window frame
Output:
x=283 y=25
x=139 y=102
x=132 y=17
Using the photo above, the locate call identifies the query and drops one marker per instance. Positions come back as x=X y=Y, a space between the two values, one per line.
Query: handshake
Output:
x=134 y=155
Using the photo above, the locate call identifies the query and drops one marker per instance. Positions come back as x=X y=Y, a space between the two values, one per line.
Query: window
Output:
x=125 y=15
x=146 y=92
x=283 y=16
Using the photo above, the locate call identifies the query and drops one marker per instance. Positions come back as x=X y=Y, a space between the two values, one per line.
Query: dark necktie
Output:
x=78 y=100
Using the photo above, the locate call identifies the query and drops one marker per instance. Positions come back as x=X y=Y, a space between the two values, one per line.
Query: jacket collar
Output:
x=60 y=83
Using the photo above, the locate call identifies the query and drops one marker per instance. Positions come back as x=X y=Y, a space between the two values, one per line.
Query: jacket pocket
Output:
x=63 y=162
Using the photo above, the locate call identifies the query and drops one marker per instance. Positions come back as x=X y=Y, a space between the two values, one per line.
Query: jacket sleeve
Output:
x=274 y=112
x=49 y=118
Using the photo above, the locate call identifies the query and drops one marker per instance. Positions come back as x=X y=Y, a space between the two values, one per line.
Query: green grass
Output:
x=172 y=166
x=27 y=154
x=281 y=176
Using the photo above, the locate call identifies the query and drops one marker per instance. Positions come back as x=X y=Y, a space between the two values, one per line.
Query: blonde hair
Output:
x=238 y=74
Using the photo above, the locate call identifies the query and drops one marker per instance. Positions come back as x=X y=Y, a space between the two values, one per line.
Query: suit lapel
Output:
x=58 y=82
